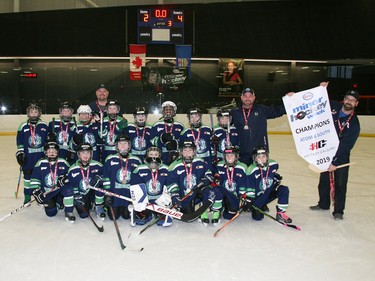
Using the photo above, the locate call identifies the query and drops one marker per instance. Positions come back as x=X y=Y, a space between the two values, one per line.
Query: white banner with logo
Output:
x=310 y=119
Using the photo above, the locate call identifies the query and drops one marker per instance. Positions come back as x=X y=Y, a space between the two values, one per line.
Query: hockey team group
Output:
x=99 y=162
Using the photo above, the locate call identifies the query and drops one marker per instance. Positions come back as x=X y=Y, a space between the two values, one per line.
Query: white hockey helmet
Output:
x=84 y=108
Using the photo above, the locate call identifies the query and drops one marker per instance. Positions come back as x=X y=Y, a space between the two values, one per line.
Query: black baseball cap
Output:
x=101 y=86
x=248 y=90
x=353 y=93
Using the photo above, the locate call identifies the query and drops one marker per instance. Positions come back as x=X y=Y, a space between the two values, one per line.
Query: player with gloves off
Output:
x=31 y=138
x=44 y=183
x=263 y=177
x=117 y=174
x=232 y=182
x=165 y=133
x=186 y=173
x=154 y=175
x=83 y=173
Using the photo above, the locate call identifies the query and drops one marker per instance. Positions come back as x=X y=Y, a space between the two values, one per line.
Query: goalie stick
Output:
x=163 y=210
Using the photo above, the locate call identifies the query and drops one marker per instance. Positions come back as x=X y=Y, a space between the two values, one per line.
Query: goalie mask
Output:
x=224 y=117
x=260 y=156
x=51 y=151
x=113 y=109
x=84 y=153
x=140 y=116
x=188 y=150
x=33 y=113
x=195 y=117
x=84 y=114
x=66 y=111
x=231 y=154
x=169 y=110
x=153 y=157
x=123 y=145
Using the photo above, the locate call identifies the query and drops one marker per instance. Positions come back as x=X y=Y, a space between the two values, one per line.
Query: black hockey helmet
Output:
x=33 y=106
x=192 y=111
x=153 y=162
x=258 y=150
x=66 y=105
x=51 y=145
x=231 y=150
x=113 y=116
x=84 y=146
x=224 y=113
x=140 y=111
x=188 y=144
x=123 y=138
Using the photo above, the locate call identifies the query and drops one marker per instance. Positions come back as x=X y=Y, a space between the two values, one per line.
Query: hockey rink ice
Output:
x=35 y=247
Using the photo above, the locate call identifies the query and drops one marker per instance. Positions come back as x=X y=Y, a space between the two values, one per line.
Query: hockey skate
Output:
x=282 y=217
x=69 y=217
x=204 y=220
x=216 y=218
x=100 y=212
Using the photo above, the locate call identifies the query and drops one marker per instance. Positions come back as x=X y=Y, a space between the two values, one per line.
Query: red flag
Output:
x=137 y=60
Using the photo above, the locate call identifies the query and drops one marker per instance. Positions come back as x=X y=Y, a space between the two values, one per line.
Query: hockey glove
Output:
x=166 y=137
x=96 y=181
x=51 y=137
x=70 y=156
x=122 y=124
x=171 y=145
x=62 y=181
x=164 y=200
x=176 y=200
x=21 y=157
x=78 y=139
x=215 y=140
x=246 y=203
x=108 y=200
x=39 y=196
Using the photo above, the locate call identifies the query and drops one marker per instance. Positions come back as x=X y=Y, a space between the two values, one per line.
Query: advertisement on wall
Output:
x=230 y=78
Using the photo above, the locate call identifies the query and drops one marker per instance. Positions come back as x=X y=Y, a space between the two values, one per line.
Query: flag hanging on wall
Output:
x=137 y=60
x=183 y=56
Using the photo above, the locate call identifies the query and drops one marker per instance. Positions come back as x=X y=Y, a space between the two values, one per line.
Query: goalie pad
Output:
x=139 y=197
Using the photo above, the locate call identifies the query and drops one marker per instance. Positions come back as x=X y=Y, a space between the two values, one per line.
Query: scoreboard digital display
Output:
x=161 y=26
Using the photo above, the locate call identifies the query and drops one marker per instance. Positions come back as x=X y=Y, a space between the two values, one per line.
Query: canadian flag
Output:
x=137 y=60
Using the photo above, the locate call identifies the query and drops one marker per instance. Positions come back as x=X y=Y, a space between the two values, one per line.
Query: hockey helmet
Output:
x=258 y=151
x=33 y=112
x=195 y=117
x=153 y=157
x=66 y=111
x=111 y=112
x=123 y=149
x=231 y=161
x=51 y=155
x=140 y=116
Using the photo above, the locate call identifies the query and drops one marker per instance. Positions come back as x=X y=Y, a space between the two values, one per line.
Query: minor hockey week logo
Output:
x=308 y=109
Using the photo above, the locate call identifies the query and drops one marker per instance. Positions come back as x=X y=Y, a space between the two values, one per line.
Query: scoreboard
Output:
x=161 y=26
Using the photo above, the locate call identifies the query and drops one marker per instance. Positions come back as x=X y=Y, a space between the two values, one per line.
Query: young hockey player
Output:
x=118 y=169
x=233 y=181
x=199 y=134
x=139 y=133
x=184 y=175
x=113 y=125
x=165 y=133
x=31 y=137
x=224 y=135
x=266 y=182
x=154 y=175
x=44 y=184
x=62 y=129
x=86 y=131
x=76 y=191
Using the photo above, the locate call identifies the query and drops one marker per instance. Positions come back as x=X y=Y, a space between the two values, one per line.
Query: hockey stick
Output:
x=199 y=185
x=19 y=183
x=228 y=222
x=163 y=210
x=280 y=222
x=99 y=228
x=117 y=229
x=317 y=170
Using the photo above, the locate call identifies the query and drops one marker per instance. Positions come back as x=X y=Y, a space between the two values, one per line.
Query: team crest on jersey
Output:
x=48 y=181
x=139 y=143
x=110 y=139
x=265 y=184
x=90 y=138
x=123 y=176
x=84 y=186
x=193 y=182
x=201 y=145
x=151 y=189
x=37 y=141
x=230 y=188
x=62 y=138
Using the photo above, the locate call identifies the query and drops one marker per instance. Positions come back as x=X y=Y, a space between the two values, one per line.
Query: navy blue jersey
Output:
x=160 y=127
x=64 y=133
x=155 y=180
x=31 y=139
x=79 y=178
x=224 y=140
x=90 y=134
x=117 y=176
x=233 y=179
x=140 y=139
x=261 y=179
x=109 y=134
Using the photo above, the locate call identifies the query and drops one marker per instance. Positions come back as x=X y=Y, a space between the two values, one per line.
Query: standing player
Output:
x=263 y=177
x=165 y=133
x=233 y=182
x=44 y=183
x=184 y=174
x=81 y=174
x=31 y=137
x=113 y=125
x=139 y=133
x=199 y=134
x=154 y=175
x=118 y=171
x=224 y=135
x=62 y=130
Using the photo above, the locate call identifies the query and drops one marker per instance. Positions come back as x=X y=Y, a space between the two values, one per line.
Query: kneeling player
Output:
x=83 y=173
x=44 y=179
x=263 y=177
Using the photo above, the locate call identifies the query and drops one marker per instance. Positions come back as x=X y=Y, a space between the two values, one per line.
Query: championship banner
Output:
x=164 y=78
x=230 y=78
x=310 y=119
x=183 y=56
x=137 y=60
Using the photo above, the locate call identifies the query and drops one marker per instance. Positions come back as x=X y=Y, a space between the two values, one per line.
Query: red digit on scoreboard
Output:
x=160 y=13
